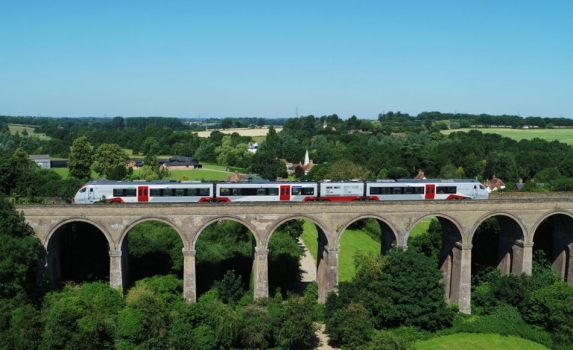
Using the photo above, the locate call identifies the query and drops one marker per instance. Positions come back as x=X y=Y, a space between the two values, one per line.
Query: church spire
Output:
x=306 y=160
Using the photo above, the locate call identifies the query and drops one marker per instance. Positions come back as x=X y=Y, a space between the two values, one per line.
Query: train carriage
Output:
x=266 y=192
x=440 y=189
x=144 y=191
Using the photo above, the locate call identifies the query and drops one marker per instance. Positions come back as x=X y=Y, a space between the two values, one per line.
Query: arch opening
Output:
x=292 y=267
x=498 y=242
x=439 y=238
x=153 y=248
x=553 y=245
x=364 y=235
x=224 y=255
x=78 y=252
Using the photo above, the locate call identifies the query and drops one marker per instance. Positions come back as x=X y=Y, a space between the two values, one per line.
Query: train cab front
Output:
x=82 y=195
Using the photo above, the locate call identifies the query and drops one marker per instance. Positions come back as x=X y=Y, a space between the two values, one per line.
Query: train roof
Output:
x=165 y=182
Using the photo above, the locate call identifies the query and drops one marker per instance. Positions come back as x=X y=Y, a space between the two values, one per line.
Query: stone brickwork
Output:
x=520 y=216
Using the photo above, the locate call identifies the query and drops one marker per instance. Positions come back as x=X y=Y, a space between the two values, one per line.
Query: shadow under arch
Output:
x=450 y=253
x=257 y=240
x=152 y=218
x=223 y=244
x=78 y=250
x=553 y=234
x=155 y=259
x=507 y=233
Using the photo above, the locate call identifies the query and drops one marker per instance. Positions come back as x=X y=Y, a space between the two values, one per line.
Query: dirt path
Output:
x=308 y=275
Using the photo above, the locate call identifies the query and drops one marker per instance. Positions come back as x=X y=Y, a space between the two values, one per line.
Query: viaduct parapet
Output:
x=519 y=218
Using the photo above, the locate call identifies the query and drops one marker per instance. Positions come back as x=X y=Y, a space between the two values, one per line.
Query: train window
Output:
x=446 y=189
x=308 y=191
x=261 y=192
x=374 y=190
x=168 y=192
x=398 y=190
x=191 y=191
x=204 y=191
x=414 y=190
x=224 y=191
x=273 y=191
x=155 y=192
x=296 y=191
x=119 y=192
x=131 y=192
x=179 y=192
x=83 y=190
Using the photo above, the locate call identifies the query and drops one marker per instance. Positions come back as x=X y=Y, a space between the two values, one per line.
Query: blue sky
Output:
x=270 y=58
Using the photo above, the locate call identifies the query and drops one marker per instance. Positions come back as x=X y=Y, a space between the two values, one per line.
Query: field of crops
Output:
x=30 y=130
x=242 y=131
x=559 y=134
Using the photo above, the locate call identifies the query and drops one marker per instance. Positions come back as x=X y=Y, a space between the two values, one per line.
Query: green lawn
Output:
x=195 y=175
x=478 y=341
x=561 y=135
x=420 y=227
x=350 y=242
x=30 y=130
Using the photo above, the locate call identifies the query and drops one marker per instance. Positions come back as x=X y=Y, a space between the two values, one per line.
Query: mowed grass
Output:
x=30 y=130
x=421 y=227
x=478 y=341
x=350 y=242
x=559 y=134
x=205 y=174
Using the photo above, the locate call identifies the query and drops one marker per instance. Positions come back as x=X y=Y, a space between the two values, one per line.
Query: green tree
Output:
x=230 y=288
x=118 y=172
x=81 y=317
x=400 y=289
x=18 y=252
x=107 y=156
x=80 y=159
x=345 y=169
x=551 y=307
x=397 y=173
x=227 y=123
x=144 y=322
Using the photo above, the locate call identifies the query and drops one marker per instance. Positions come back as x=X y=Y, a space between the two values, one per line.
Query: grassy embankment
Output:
x=478 y=341
x=350 y=242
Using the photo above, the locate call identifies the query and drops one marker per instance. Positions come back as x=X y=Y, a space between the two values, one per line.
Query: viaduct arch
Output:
x=519 y=218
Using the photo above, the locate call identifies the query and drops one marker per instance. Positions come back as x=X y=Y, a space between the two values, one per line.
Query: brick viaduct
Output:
x=519 y=218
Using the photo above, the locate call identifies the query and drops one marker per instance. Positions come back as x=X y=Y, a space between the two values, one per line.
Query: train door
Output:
x=143 y=194
x=90 y=194
x=430 y=191
x=285 y=193
x=475 y=192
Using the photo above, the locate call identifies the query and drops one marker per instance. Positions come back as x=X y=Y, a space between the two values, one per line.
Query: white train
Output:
x=273 y=191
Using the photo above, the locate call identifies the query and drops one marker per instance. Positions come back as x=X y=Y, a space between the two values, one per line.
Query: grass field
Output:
x=208 y=173
x=421 y=227
x=350 y=242
x=561 y=135
x=478 y=341
x=30 y=130
x=242 y=131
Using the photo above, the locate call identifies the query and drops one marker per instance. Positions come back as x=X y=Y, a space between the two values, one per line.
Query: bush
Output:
x=551 y=307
